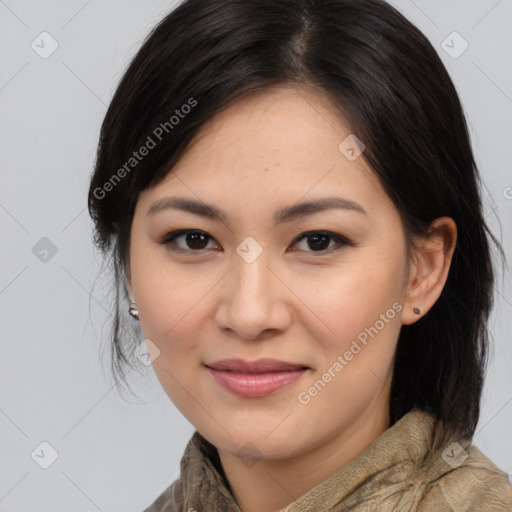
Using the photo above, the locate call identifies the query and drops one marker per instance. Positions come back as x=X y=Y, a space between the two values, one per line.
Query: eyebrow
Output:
x=287 y=214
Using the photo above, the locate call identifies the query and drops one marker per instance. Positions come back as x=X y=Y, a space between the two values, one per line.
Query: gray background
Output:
x=115 y=455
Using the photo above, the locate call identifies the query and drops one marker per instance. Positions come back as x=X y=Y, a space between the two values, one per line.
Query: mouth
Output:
x=255 y=378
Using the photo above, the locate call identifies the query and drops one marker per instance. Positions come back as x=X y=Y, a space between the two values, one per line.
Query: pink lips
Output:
x=256 y=378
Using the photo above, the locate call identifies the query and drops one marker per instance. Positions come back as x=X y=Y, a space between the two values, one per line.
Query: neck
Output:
x=271 y=485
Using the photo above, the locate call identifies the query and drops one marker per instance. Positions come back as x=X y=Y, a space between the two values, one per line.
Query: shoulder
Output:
x=170 y=500
x=469 y=481
x=173 y=499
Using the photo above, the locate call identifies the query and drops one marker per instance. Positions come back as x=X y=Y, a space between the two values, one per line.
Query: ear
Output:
x=431 y=261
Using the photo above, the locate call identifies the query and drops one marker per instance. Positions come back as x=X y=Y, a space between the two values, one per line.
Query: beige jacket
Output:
x=396 y=473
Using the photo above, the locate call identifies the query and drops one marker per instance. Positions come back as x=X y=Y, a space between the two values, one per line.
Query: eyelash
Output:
x=169 y=240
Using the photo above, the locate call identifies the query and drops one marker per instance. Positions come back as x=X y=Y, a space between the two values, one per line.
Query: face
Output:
x=261 y=275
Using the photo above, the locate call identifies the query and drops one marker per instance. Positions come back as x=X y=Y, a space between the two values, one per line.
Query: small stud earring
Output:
x=134 y=312
x=417 y=311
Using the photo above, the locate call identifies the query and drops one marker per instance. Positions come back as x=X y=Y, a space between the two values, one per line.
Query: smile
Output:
x=255 y=379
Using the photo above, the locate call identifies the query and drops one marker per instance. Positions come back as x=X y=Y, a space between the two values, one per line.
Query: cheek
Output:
x=170 y=306
x=169 y=296
x=362 y=308
x=350 y=299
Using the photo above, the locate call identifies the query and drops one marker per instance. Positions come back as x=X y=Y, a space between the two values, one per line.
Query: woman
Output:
x=290 y=201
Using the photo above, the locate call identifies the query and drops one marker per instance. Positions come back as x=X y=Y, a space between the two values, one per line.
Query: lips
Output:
x=259 y=366
x=255 y=378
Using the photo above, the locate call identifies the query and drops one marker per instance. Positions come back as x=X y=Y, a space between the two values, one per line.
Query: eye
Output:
x=320 y=241
x=187 y=240
x=193 y=240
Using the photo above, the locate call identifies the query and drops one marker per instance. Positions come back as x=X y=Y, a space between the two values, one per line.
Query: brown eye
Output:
x=196 y=240
x=320 y=241
x=189 y=240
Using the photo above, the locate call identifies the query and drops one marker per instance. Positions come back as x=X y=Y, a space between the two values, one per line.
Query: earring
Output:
x=134 y=312
x=417 y=311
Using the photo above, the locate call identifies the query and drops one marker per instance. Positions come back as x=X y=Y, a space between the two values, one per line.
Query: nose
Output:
x=254 y=304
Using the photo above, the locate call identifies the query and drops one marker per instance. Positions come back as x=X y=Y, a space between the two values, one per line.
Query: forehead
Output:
x=280 y=122
x=276 y=146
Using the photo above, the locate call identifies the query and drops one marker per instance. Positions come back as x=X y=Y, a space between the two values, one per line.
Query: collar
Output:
x=397 y=459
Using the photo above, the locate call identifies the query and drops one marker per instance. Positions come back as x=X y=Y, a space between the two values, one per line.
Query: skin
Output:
x=295 y=302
